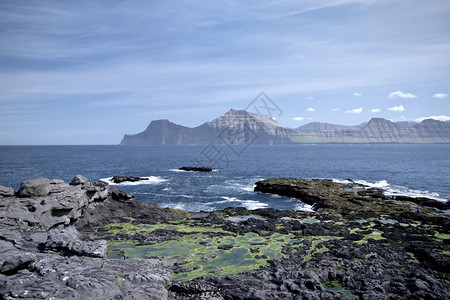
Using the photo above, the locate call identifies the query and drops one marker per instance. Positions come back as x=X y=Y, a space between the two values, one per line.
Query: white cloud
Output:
x=440 y=95
x=375 y=110
x=439 y=118
x=336 y=109
x=311 y=109
x=355 y=111
x=397 y=108
x=309 y=98
x=357 y=94
x=298 y=118
x=400 y=94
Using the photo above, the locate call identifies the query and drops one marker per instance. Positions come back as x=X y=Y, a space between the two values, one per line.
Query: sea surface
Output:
x=415 y=170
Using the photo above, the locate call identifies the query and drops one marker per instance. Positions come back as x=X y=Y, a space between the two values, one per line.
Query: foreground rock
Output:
x=85 y=240
x=43 y=255
x=196 y=169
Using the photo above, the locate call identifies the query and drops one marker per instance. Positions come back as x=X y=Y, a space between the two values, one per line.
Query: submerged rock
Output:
x=196 y=169
x=120 y=179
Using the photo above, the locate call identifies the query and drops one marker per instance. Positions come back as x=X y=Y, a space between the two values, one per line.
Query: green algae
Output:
x=209 y=250
x=316 y=247
x=442 y=236
x=336 y=286
x=201 y=255
x=332 y=284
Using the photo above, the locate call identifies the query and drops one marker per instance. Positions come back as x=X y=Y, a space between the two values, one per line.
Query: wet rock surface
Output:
x=120 y=179
x=342 y=197
x=85 y=240
x=196 y=169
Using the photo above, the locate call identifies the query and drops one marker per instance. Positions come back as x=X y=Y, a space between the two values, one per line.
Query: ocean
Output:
x=415 y=170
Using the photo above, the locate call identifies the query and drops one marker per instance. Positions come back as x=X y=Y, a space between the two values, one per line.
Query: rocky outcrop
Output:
x=120 y=179
x=43 y=255
x=344 y=197
x=240 y=127
x=6 y=191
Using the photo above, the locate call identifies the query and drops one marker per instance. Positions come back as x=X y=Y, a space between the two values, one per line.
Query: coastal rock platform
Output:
x=85 y=240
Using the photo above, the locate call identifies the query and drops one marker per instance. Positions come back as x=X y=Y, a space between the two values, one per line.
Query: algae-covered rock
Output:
x=344 y=197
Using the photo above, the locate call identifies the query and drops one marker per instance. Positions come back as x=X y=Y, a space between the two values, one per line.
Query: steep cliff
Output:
x=240 y=126
x=235 y=127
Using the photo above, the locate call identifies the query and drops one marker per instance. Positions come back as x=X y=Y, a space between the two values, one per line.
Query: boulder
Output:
x=96 y=190
x=70 y=241
x=6 y=191
x=35 y=187
x=78 y=180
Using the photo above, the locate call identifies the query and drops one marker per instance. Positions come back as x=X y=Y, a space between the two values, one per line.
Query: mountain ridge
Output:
x=240 y=126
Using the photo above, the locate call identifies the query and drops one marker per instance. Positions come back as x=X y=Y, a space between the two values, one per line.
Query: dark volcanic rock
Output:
x=119 y=179
x=341 y=197
x=196 y=169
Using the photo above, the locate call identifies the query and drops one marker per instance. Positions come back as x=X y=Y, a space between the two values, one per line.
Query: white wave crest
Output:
x=249 y=204
x=146 y=180
x=304 y=207
x=395 y=190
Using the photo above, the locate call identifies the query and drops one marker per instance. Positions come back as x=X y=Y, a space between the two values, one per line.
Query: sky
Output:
x=90 y=71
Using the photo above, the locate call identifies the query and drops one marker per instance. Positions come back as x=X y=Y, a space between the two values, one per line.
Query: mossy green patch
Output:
x=442 y=236
x=332 y=284
x=335 y=286
x=374 y=235
x=315 y=245
x=201 y=253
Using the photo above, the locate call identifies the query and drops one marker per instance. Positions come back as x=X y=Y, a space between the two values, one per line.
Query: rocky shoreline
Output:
x=85 y=240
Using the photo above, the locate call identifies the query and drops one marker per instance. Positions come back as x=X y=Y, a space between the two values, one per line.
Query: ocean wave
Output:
x=395 y=190
x=304 y=207
x=249 y=204
x=148 y=180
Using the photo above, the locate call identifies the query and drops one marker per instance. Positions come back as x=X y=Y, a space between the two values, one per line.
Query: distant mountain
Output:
x=239 y=127
x=318 y=127
x=235 y=127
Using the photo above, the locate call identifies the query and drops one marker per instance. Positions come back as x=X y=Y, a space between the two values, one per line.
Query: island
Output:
x=87 y=240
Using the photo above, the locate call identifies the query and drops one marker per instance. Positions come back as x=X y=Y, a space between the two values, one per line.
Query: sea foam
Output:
x=395 y=190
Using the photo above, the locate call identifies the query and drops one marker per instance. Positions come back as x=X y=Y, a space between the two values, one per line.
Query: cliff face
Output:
x=315 y=127
x=235 y=127
x=240 y=126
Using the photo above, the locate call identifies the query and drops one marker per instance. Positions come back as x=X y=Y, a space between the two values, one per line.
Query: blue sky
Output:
x=87 y=72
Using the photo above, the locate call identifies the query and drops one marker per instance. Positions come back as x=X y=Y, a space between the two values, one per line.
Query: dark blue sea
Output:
x=416 y=170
